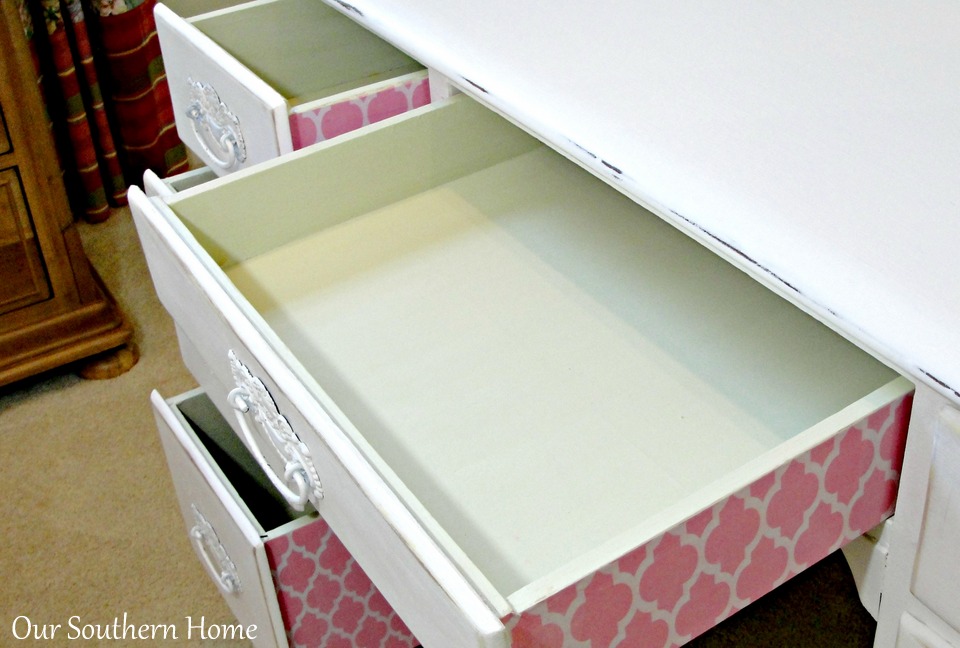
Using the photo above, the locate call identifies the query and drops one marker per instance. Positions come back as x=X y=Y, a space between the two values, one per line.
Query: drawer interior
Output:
x=189 y=8
x=254 y=490
x=303 y=48
x=537 y=364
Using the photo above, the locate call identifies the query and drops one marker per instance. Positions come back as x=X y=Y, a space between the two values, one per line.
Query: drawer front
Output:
x=937 y=576
x=411 y=571
x=224 y=112
x=226 y=542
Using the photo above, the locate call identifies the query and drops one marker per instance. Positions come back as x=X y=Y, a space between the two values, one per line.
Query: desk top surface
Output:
x=815 y=144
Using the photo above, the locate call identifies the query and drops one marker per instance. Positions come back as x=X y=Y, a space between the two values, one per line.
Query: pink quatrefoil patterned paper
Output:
x=326 y=600
x=319 y=124
x=687 y=580
x=663 y=593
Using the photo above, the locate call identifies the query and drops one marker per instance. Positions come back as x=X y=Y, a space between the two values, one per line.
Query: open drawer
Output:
x=283 y=574
x=154 y=185
x=536 y=414
x=260 y=79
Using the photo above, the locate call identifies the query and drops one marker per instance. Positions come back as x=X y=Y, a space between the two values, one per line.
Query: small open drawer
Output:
x=260 y=79
x=154 y=185
x=285 y=575
x=536 y=413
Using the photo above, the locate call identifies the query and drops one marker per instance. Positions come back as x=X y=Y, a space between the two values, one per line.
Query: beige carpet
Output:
x=91 y=528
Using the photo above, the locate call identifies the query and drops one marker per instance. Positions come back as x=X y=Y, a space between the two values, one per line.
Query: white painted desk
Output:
x=817 y=148
x=814 y=145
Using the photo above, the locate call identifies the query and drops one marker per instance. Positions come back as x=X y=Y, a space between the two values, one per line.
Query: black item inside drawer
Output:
x=239 y=467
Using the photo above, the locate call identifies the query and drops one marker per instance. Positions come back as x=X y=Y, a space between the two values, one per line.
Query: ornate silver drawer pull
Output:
x=250 y=399
x=219 y=565
x=216 y=128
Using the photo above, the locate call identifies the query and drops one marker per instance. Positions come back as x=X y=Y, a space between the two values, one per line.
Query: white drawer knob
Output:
x=221 y=568
x=216 y=127
x=251 y=400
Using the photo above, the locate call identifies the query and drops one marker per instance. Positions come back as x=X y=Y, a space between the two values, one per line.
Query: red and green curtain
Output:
x=99 y=66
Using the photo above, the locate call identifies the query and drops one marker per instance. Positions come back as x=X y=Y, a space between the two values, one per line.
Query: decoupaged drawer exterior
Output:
x=750 y=537
x=690 y=578
x=294 y=583
x=234 y=114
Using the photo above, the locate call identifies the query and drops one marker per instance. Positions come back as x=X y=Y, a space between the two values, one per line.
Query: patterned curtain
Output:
x=99 y=67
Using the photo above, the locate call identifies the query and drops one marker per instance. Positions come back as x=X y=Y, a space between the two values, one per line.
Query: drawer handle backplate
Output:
x=250 y=399
x=216 y=127
x=221 y=568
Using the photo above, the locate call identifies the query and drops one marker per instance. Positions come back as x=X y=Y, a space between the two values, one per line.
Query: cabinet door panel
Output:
x=4 y=136
x=21 y=264
x=937 y=579
x=914 y=634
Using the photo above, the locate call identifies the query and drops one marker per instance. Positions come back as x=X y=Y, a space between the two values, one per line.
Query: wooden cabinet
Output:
x=21 y=264
x=53 y=308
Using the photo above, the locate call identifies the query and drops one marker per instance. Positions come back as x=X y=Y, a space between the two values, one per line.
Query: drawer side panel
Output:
x=326 y=596
x=690 y=578
x=317 y=123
